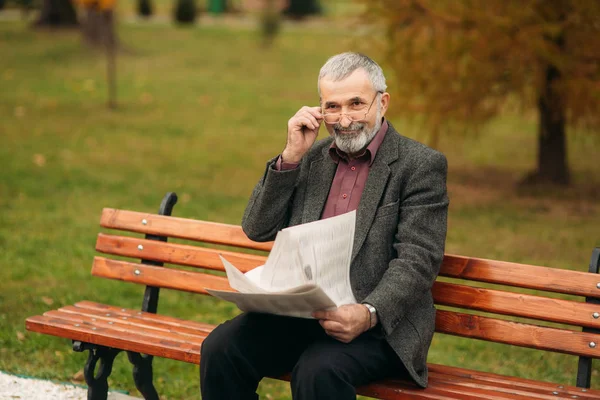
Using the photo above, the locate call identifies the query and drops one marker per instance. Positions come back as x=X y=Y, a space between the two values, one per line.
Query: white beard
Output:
x=354 y=143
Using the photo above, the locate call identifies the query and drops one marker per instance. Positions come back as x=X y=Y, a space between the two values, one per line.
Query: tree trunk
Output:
x=98 y=27
x=552 y=144
x=298 y=9
x=57 y=13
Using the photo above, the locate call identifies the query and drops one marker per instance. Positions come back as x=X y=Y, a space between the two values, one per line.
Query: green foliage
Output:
x=185 y=11
x=145 y=8
x=205 y=130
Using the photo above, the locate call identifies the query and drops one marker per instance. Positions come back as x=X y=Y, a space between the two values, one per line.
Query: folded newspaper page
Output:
x=307 y=270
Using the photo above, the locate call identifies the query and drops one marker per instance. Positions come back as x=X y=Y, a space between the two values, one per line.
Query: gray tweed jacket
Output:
x=399 y=238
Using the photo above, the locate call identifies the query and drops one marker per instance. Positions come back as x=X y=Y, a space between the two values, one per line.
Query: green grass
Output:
x=200 y=111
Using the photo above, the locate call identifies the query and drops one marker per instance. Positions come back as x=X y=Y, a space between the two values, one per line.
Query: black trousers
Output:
x=240 y=352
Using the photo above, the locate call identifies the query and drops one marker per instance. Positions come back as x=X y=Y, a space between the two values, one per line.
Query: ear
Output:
x=385 y=102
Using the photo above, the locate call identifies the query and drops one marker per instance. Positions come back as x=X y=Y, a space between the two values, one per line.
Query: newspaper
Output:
x=308 y=269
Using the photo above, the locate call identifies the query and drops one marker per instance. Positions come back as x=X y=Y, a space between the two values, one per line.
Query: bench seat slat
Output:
x=446 y=382
x=162 y=344
x=503 y=391
x=521 y=275
x=158 y=276
x=182 y=228
x=516 y=333
x=118 y=325
x=490 y=379
x=400 y=390
x=188 y=352
x=174 y=253
x=516 y=304
x=132 y=320
x=146 y=316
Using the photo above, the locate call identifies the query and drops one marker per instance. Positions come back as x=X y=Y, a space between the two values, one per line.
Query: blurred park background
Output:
x=113 y=105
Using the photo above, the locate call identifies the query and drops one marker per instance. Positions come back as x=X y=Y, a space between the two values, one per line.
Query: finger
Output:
x=332 y=326
x=340 y=337
x=314 y=111
x=325 y=314
x=309 y=121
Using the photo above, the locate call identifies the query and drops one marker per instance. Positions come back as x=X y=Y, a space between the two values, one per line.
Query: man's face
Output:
x=352 y=93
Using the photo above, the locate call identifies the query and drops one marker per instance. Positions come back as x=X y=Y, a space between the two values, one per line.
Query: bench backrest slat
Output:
x=475 y=269
x=183 y=228
x=173 y=253
x=521 y=275
x=515 y=333
x=516 y=304
x=158 y=276
x=462 y=297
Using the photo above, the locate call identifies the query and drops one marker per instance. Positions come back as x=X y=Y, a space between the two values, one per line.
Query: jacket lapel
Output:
x=374 y=188
x=320 y=177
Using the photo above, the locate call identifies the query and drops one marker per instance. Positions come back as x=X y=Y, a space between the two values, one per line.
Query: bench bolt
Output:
x=596 y=315
x=144 y=221
x=593 y=345
x=598 y=285
x=555 y=393
x=140 y=247
x=137 y=272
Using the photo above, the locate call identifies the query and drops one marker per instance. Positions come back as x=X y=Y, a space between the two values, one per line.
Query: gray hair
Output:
x=342 y=65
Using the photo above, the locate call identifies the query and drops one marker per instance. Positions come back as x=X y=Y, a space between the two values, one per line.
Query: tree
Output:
x=461 y=62
x=145 y=8
x=185 y=11
x=57 y=13
x=98 y=29
x=299 y=9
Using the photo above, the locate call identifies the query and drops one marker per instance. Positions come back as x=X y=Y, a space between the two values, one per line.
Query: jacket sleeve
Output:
x=419 y=243
x=268 y=209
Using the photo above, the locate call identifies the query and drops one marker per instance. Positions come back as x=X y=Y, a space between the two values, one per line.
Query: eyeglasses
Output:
x=358 y=114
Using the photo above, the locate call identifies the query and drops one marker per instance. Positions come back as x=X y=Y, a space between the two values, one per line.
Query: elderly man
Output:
x=398 y=187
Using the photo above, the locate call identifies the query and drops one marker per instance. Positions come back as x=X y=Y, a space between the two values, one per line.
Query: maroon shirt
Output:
x=350 y=176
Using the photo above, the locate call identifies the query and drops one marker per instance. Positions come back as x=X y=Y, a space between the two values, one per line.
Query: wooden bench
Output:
x=106 y=330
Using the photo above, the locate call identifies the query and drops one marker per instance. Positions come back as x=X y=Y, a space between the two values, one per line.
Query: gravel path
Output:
x=13 y=387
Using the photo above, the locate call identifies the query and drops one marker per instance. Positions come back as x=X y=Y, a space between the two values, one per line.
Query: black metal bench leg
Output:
x=142 y=375
x=97 y=382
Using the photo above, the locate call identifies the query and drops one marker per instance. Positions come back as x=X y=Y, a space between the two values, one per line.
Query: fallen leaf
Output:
x=146 y=98
x=78 y=376
x=20 y=336
x=39 y=160
x=19 y=111
x=47 y=300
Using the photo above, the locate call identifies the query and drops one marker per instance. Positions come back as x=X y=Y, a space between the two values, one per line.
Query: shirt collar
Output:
x=369 y=153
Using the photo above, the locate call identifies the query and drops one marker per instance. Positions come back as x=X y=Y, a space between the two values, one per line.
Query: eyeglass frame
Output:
x=346 y=114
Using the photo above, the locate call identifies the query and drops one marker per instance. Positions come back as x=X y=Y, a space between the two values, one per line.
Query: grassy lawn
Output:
x=200 y=111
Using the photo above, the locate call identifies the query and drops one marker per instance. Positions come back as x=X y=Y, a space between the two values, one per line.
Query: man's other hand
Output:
x=303 y=129
x=346 y=322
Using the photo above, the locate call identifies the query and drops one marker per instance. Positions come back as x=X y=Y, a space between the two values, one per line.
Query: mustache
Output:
x=354 y=126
